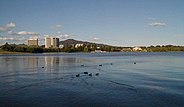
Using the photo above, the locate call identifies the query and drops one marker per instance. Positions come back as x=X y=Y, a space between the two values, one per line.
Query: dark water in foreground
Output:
x=156 y=79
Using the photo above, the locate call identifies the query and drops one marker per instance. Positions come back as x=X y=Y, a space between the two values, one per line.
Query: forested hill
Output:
x=69 y=42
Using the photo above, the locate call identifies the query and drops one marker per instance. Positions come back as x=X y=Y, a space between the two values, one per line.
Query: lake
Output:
x=92 y=79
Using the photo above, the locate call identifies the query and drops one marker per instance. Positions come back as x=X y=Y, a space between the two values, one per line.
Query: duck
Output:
x=97 y=74
x=77 y=75
x=85 y=72
x=90 y=74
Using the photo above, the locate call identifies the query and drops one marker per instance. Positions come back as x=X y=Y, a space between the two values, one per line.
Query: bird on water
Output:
x=77 y=75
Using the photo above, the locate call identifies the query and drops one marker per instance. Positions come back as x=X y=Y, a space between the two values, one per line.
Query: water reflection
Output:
x=60 y=63
x=32 y=62
x=51 y=61
x=22 y=64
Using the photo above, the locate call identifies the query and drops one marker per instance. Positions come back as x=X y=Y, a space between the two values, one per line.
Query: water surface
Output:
x=125 y=79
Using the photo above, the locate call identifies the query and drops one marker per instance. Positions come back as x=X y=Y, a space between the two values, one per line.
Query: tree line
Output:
x=41 y=49
x=166 y=48
x=86 y=48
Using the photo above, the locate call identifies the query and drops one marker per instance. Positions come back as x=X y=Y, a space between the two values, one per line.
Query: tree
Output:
x=86 y=49
x=8 y=47
x=34 y=49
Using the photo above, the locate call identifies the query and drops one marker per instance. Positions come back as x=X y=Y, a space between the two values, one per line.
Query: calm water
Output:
x=125 y=79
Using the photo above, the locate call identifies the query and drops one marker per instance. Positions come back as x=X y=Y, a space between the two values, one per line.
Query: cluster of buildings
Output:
x=50 y=42
x=133 y=49
x=53 y=42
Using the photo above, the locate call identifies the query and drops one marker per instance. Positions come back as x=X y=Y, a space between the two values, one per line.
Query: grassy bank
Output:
x=8 y=52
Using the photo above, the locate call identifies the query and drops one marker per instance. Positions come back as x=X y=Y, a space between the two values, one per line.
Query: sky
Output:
x=113 y=22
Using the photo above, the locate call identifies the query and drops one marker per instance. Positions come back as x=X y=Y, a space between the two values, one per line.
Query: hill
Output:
x=70 y=42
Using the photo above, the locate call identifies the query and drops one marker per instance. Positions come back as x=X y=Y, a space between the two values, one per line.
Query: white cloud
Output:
x=11 y=39
x=57 y=26
x=16 y=37
x=151 y=18
x=65 y=36
x=33 y=37
x=47 y=35
x=23 y=33
x=157 y=24
x=7 y=27
x=95 y=39
x=6 y=38
x=179 y=35
x=59 y=32
x=11 y=25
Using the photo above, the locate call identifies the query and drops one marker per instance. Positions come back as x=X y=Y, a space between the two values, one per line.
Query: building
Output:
x=47 y=42
x=32 y=42
x=51 y=42
x=61 y=46
x=137 y=49
x=55 y=42
x=78 y=45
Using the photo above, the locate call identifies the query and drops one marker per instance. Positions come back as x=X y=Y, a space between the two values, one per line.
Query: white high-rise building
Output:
x=51 y=42
x=55 y=42
x=47 y=42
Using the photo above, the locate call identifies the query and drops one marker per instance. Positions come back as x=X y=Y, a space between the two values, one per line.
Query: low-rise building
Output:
x=32 y=42
x=137 y=49
x=78 y=45
x=61 y=46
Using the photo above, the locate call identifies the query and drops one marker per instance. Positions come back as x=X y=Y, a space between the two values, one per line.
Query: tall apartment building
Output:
x=55 y=42
x=51 y=42
x=32 y=42
x=47 y=42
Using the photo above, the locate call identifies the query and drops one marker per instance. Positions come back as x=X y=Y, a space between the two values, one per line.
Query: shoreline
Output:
x=9 y=52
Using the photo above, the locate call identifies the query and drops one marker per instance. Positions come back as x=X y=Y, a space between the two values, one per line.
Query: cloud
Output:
x=65 y=36
x=57 y=26
x=95 y=39
x=151 y=18
x=33 y=37
x=22 y=33
x=11 y=25
x=16 y=37
x=7 y=27
x=6 y=38
x=58 y=32
x=11 y=39
x=157 y=24
x=179 y=35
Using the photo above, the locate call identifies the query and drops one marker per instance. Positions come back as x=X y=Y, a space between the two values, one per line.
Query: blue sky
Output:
x=114 y=22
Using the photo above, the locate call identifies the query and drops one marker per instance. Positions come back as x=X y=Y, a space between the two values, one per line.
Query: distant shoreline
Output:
x=9 y=52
